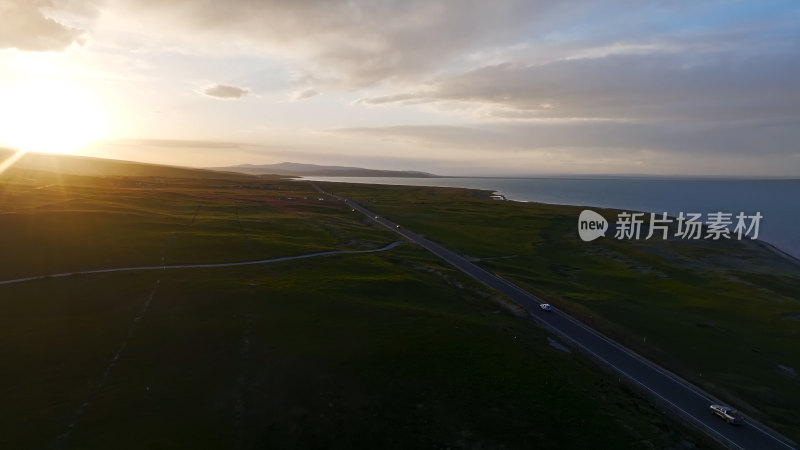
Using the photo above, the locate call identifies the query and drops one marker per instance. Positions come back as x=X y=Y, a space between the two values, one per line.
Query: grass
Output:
x=387 y=350
x=721 y=314
x=379 y=351
x=89 y=223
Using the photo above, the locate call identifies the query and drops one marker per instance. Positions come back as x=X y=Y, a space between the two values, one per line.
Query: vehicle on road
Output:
x=376 y=217
x=546 y=307
x=397 y=226
x=727 y=413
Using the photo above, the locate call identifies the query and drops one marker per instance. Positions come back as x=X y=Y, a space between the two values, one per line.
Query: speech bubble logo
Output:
x=591 y=225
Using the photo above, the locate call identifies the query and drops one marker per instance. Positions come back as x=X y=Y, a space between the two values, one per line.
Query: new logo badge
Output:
x=591 y=225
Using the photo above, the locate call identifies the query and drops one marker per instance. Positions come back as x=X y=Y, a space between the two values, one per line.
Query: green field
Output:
x=82 y=223
x=383 y=350
x=340 y=352
x=724 y=314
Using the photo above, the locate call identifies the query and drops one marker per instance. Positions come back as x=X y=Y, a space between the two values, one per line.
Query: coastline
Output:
x=765 y=244
x=775 y=249
x=787 y=253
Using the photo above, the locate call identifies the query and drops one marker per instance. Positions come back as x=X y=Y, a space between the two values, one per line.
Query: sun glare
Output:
x=49 y=116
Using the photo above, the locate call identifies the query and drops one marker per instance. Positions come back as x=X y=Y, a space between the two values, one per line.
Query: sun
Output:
x=49 y=116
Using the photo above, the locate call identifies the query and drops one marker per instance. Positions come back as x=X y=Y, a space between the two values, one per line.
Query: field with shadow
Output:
x=724 y=315
x=381 y=350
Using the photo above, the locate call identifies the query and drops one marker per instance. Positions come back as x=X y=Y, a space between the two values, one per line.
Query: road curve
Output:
x=674 y=393
x=199 y=266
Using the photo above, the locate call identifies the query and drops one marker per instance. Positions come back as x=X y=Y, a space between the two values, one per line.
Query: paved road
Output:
x=666 y=388
x=198 y=266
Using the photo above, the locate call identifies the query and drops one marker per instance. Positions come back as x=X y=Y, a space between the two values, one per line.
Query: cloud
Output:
x=353 y=43
x=359 y=43
x=578 y=78
x=405 y=98
x=30 y=25
x=760 y=139
x=666 y=87
x=607 y=147
x=225 y=92
x=304 y=94
x=176 y=143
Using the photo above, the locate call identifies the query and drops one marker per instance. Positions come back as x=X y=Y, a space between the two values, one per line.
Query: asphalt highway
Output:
x=668 y=390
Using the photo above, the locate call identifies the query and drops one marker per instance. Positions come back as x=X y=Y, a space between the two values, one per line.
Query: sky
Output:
x=467 y=87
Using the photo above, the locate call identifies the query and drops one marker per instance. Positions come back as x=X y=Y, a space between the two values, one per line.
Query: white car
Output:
x=397 y=226
x=546 y=307
x=727 y=413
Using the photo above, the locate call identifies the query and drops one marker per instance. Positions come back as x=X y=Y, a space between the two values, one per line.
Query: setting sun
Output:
x=49 y=116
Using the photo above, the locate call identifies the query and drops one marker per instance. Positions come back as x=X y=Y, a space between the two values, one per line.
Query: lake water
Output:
x=778 y=201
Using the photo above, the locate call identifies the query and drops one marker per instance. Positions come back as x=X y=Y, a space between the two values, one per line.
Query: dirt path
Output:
x=200 y=266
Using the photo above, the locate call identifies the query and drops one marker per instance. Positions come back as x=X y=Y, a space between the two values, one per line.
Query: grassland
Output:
x=55 y=224
x=343 y=352
x=721 y=314
x=386 y=350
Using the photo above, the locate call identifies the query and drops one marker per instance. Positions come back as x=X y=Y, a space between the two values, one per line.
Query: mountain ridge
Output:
x=299 y=169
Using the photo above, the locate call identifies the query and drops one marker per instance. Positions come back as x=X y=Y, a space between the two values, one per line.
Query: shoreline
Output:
x=765 y=244
x=777 y=250
x=507 y=197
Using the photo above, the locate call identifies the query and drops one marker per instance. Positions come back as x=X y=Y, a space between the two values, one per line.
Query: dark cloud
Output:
x=666 y=87
x=225 y=92
x=29 y=25
x=759 y=139
x=613 y=147
x=363 y=42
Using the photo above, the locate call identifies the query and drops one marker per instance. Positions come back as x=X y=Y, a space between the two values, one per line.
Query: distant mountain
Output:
x=88 y=166
x=295 y=169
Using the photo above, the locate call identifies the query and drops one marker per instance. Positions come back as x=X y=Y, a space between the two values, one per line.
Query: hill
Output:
x=99 y=167
x=296 y=169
